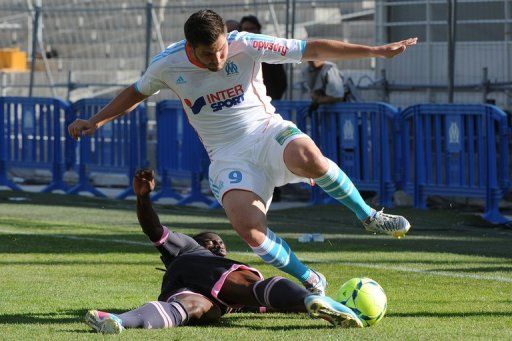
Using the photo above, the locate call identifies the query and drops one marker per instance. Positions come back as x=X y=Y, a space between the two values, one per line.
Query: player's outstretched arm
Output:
x=143 y=185
x=323 y=49
x=123 y=103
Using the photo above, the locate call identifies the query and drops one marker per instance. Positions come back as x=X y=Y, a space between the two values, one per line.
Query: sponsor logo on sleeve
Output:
x=270 y=46
x=286 y=134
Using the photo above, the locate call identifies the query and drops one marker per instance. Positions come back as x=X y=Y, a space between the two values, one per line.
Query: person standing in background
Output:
x=232 y=25
x=324 y=82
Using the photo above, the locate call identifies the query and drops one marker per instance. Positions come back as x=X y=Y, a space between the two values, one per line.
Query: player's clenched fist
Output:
x=144 y=182
x=81 y=127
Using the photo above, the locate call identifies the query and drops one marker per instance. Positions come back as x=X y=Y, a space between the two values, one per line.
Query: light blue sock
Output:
x=338 y=185
x=275 y=251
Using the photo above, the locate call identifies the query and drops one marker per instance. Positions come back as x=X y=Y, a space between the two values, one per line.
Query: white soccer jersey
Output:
x=227 y=105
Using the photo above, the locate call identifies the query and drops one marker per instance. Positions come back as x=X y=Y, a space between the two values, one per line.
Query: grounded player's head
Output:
x=211 y=241
x=205 y=32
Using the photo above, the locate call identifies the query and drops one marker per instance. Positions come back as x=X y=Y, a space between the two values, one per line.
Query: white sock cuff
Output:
x=267 y=244
x=332 y=173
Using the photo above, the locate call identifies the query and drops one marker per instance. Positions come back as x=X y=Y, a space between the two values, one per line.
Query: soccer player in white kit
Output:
x=251 y=148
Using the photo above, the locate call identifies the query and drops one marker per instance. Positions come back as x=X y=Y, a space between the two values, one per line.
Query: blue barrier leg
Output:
x=195 y=192
x=57 y=181
x=84 y=185
x=125 y=193
x=215 y=204
x=128 y=191
x=317 y=196
x=4 y=181
x=166 y=190
x=492 y=211
x=386 y=197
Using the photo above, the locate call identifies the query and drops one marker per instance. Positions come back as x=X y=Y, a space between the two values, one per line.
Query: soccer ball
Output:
x=366 y=298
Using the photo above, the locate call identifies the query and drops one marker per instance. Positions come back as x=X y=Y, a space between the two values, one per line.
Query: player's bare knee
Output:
x=305 y=159
x=194 y=307
x=252 y=232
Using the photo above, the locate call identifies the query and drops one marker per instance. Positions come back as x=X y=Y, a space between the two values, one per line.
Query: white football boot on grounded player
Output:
x=333 y=312
x=316 y=284
x=380 y=222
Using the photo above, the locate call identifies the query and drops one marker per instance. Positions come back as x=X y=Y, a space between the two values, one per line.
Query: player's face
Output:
x=216 y=245
x=213 y=56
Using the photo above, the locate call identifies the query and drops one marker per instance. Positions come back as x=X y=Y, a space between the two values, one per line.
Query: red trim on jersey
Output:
x=254 y=88
x=192 y=59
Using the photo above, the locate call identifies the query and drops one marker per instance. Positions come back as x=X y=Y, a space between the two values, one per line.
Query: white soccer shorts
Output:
x=256 y=164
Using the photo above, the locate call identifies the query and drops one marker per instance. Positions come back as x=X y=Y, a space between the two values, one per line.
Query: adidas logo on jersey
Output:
x=180 y=80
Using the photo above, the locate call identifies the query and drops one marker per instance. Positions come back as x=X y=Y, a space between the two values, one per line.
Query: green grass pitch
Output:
x=61 y=255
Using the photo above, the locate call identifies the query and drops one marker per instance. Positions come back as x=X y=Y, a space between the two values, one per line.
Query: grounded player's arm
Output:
x=323 y=49
x=123 y=103
x=143 y=184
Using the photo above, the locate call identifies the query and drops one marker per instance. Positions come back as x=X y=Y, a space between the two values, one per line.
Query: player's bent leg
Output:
x=152 y=315
x=246 y=212
x=334 y=312
x=199 y=308
x=304 y=158
x=280 y=294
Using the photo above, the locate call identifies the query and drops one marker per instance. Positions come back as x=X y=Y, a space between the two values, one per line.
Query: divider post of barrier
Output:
x=166 y=190
x=168 y=147
x=496 y=177
x=195 y=194
x=194 y=160
x=84 y=185
x=57 y=163
x=4 y=181
x=137 y=152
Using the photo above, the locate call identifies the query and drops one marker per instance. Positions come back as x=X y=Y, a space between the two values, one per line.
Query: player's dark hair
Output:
x=200 y=238
x=204 y=28
x=253 y=20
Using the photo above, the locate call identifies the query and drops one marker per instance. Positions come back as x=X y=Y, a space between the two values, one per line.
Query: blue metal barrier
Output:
x=291 y=110
x=118 y=147
x=360 y=138
x=179 y=153
x=459 y=150
x=33 y=136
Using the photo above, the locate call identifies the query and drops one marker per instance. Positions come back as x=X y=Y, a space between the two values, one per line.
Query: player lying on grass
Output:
x=200 y=284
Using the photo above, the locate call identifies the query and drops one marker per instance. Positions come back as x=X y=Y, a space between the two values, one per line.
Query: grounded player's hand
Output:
x=393 y=49
x=144 y=182
x=81 y=128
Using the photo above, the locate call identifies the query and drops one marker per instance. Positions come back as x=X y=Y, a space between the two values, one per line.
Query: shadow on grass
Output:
x=326 y=219
x=13 y=243
x=235 y=321
x=61 y=317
